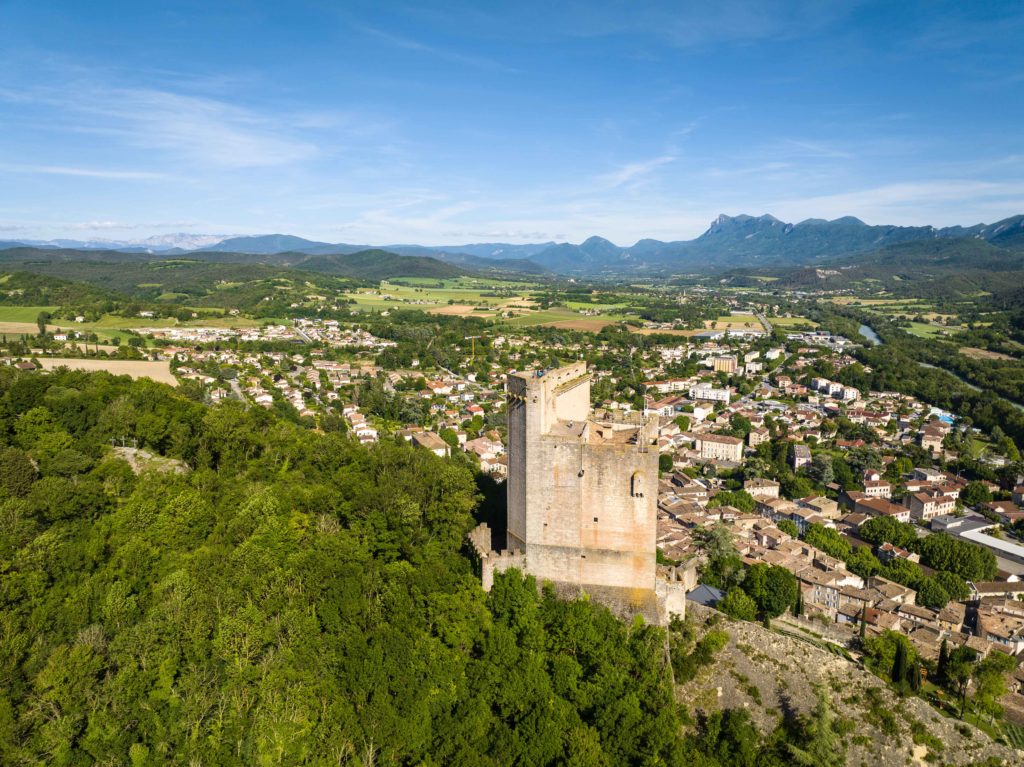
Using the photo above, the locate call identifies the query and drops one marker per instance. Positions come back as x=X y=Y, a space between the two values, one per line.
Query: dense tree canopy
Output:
x=294 y=598
x=297 y=598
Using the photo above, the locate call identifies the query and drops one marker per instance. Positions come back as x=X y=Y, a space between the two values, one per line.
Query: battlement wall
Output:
x=491 y=561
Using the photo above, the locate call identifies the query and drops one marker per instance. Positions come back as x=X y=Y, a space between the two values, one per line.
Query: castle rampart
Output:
x=582 y=494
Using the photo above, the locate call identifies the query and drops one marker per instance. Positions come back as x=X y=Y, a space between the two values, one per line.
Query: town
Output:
x=757 y=447
x=512 y=385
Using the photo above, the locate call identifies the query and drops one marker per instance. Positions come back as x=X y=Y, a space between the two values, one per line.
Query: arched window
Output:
x=636 y=487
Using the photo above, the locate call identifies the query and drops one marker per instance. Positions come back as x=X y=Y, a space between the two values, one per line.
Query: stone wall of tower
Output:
x=515 y=482
x=618 y=516
x=582 y=508
x=535 y=403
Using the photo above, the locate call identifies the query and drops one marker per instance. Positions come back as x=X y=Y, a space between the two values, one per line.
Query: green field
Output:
x=461 y=291
x=788 y=322
x=567 y=318
x=23 y=313
x=925 y=330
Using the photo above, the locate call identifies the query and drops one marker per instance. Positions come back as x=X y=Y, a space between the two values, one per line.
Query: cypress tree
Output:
x=915 y=677
x=940 y=669
x=898 y=675
x=863 y=622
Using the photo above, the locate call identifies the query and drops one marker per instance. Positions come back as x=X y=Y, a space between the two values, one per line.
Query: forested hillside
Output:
x=85 y=265
x=934 y=268
x=294 y=599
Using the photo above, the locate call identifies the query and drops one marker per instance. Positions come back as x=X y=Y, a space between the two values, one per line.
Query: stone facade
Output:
x=725 y=364
x=715 y=447
x=582 y=496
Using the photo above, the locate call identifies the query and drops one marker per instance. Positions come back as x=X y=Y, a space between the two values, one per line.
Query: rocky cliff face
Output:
x=773 y=675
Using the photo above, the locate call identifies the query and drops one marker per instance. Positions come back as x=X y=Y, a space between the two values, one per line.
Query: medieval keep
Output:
x=582 y=498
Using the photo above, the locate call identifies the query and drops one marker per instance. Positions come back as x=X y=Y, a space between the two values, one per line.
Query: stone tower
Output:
x=582 y=495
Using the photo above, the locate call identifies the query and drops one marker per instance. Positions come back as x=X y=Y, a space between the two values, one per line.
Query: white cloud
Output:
x=201 y=129
x=206 y=130
x=942 y=202
x=59 y=170
x=634 y=171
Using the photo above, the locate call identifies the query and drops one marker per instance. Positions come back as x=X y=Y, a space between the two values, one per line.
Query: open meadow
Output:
x=458 y=297
x=984 y=354
x=568 y=319
x=792 y=322
x=23 y=313
x=18 y=328
x=734 y=322
x=159 y=371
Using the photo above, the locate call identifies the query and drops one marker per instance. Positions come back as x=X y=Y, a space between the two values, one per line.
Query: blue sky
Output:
x=466 y=122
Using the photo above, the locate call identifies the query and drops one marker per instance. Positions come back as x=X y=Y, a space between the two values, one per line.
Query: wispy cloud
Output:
x=750 y=170
x=198 y=128
x=102 y=173
x=818 y=149
x=938 y=202
x=634 y=171
x=446 y=54
x=205 y=129
x=421 y=219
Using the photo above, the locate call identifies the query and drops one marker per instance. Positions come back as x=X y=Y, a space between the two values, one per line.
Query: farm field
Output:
x=926 y=330
x=461 y=310
x=23 y=313
x=18 y=328
x=591 y=324
x=789 y=322
x=565 y=318
x=598 y=307
x=868 y=302
x=400 y=296
x=466 y=291
x=984 y=354
x=543 y=317
x=654 y=331
x=158 y=371
x=734 y=322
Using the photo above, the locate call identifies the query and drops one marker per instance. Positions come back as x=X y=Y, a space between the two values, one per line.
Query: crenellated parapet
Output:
x=582 y=493
x=492 y=561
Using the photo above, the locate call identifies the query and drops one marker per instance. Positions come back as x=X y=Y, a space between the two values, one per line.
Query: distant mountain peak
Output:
x=743 y=218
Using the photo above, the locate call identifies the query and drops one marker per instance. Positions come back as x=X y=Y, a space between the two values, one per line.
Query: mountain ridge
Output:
x=729 y=242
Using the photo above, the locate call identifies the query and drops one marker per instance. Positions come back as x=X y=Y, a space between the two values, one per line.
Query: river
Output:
x=968 y=384
x=873 y=338
x=870 y=334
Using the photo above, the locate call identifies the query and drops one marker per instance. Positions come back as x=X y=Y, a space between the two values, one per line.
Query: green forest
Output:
x=296 y=598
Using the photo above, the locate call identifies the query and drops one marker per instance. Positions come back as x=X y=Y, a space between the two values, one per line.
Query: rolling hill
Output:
x=374 y=264
x=962 y=266
x=729 y=243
